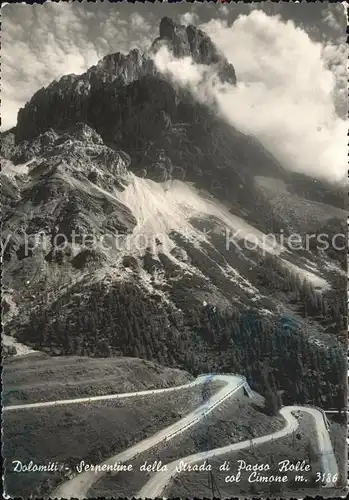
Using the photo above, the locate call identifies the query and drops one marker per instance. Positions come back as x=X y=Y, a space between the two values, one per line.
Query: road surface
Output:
x=160 y=480
x=90 y=399
x=78 y=486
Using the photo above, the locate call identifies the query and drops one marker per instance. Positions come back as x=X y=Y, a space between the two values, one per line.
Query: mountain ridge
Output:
x=120 y=70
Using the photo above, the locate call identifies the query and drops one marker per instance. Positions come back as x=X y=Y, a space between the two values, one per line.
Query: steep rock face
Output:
x=192 y=42
x=135 y=109
x=72 y=99
x=121 y=68
x=7 y=142
x=97 y=92
x=69 y=189
x=163 y=131
x=167 y=136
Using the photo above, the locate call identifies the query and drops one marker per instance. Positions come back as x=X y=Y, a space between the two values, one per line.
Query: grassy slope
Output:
x=231 y=422
x=300 y=447
x=29 y=379
x=91 y=431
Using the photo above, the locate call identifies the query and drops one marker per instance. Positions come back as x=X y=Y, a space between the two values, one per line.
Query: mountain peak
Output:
x=75 y=97
x=123 y=67
x=167 y=27
x=190 y=41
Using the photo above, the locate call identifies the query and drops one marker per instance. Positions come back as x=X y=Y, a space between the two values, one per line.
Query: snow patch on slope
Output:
x=244 y=283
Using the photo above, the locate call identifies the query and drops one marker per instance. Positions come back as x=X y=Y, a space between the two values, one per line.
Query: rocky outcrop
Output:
x=59 y=197
x=7 y=143
x=192 y=42
x=9 y=191
x=120 y=68
x=82 y=98
x=100 y=92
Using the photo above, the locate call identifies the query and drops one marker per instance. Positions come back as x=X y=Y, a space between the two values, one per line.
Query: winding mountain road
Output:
x=106 y=397
x=160 y=480
x=79 y=485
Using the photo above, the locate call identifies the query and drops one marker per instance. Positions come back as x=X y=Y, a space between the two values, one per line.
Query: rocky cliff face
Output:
x=135 y=109
x=73 y=98
x=65 y=186
x=192 y=42
x=121 y=68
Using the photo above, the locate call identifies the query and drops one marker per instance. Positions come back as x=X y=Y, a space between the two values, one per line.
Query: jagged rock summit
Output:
x=189 y=41
x=74 y=98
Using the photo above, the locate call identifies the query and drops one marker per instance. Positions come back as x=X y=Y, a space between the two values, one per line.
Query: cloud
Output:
x=138 y=22
x=286 y=91
x=223 y=10
x=41 y=43
x=199 y=79
x=335 y=51
x=184 y=71
x=335 y=56
x=189 y=18
x=335 y=18
x=331 y=20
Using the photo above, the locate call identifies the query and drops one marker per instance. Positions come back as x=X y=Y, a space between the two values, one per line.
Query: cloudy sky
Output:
x=290 y=61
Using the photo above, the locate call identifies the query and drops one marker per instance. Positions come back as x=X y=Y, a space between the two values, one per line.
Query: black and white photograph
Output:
x=174 y=249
